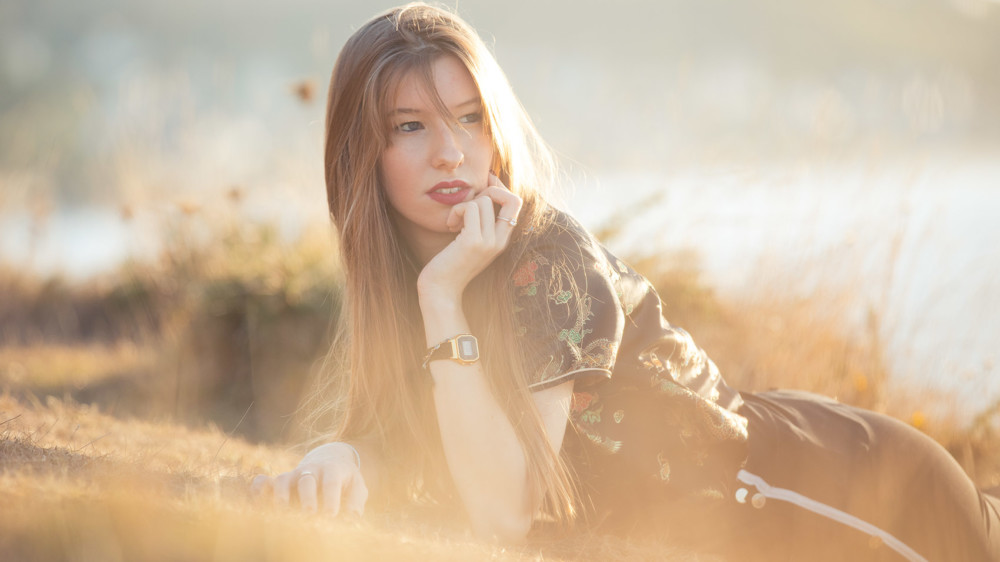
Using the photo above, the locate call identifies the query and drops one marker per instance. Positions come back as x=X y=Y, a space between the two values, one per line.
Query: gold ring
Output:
x=512 y=222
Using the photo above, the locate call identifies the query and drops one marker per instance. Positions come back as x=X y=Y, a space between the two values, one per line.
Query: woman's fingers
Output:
x=303 y=484
x=261 y=486
x=510 y=204
x=482 y=236
x=307 y=484
x=486 y=220
x=478 y=218
x=357 y=495
x=327 y=477
x=478 y=215
x=506 y=217
x=337 y=488
x=283 y=487
x=456 y=218
x=344 y=493
x=464 y=218
x=333 y=484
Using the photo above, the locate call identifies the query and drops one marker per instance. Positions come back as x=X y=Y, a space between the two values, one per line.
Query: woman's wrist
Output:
x=437 y=294
x=440 y=309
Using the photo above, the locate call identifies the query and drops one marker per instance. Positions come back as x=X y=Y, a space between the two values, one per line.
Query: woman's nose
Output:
x=448 y=152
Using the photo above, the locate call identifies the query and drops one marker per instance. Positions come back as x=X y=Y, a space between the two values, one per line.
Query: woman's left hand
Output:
x=482 y=236
x=329 y=476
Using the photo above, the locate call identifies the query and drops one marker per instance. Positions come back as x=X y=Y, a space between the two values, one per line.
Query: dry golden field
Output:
x=136 y=408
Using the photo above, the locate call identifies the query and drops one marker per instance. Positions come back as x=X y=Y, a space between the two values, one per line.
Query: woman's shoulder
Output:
x=565 y=306
x=560 y=238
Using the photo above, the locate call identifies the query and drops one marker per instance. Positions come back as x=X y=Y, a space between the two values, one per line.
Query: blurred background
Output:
x=164 y=247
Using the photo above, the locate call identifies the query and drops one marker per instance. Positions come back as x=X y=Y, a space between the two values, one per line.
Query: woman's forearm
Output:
x=483 y=453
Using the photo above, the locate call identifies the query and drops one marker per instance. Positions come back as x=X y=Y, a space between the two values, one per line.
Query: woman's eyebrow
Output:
x=413 y=111
x=474 y=100
x=405 y=110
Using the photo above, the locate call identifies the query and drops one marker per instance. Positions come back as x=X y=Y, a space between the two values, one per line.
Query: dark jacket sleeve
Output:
x=569 y=317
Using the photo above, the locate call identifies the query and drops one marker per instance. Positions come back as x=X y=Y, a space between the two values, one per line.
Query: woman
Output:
x=483 y=323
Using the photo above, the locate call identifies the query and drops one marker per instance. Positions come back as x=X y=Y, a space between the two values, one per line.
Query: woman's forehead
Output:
x=442 y=86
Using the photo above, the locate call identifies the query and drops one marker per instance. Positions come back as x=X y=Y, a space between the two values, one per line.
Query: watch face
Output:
x=468 y=348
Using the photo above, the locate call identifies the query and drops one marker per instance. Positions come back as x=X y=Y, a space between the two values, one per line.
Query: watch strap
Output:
x=463 y=349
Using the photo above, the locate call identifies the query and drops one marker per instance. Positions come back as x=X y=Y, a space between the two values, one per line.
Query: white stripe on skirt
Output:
x=833 y=513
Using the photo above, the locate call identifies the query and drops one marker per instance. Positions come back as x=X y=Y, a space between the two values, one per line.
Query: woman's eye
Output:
x=410 y=126
x=471 y=118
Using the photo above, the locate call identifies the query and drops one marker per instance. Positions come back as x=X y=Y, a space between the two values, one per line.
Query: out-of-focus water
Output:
x=78 y=243
x=916 y=243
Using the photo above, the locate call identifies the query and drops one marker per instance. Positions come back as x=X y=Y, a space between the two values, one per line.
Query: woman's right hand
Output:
x=328 y=477
x=482 y=236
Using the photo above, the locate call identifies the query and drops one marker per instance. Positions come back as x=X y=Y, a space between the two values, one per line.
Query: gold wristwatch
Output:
x=463 y=349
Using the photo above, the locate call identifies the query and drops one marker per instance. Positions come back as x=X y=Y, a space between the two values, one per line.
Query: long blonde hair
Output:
x=386 y=397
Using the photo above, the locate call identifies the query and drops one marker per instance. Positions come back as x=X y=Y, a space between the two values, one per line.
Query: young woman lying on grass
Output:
x=501 y=358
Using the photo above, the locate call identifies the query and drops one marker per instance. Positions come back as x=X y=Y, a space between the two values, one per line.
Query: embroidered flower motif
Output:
x=651 y=361
x=602 y=267
x=604 y=444
x=530 y=291
x=619 y=416
x=525 y=275
x=599 y=354
x=586 y=406
x=592 y=416
x=581 y=400
x=667 y=386
x=711 y=494
x=661 y=458
x=562 y=297
x=572 y=336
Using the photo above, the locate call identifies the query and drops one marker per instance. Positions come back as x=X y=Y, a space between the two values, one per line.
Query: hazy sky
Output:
x=95 y=94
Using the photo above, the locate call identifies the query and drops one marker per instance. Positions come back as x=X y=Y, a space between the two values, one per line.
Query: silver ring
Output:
x=305 y=473
x=511 y=222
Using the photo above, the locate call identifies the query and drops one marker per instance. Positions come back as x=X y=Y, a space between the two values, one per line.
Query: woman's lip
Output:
x=450 y=198
x=449 y=185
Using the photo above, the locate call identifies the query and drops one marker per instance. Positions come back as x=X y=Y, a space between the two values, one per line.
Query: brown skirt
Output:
x=869 y=467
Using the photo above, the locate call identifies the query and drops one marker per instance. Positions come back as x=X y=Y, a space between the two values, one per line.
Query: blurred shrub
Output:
x=235 y=315
x=53 y=310
x=773 y=340
x=252 y=314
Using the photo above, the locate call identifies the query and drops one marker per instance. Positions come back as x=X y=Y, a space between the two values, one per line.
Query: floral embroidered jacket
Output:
x=651 y=415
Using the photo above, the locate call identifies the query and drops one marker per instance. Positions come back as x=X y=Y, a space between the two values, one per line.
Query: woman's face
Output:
x=435 y=161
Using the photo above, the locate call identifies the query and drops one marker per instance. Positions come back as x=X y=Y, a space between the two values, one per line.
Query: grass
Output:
x=78 y=484
x=52 y=368
x=135 y=409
